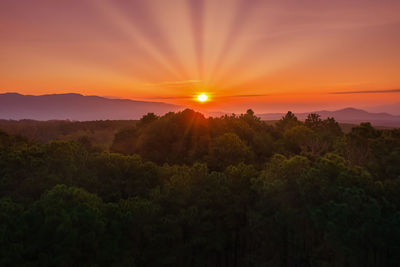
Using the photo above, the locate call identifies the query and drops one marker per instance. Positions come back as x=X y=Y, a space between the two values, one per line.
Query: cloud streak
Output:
x=365 y=92
x=191 y=97
x=247 y=95
x=166 y=97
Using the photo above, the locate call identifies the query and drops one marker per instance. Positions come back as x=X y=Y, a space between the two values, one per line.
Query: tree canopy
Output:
x=186 y=190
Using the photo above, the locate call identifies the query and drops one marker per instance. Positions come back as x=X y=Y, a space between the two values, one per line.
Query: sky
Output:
x=271 y=56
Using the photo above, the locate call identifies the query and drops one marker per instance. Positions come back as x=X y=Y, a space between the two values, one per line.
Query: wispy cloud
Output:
x=173 y=83
x=247 y=95
x=366 y=92
x=166 y=97
x=191 y=97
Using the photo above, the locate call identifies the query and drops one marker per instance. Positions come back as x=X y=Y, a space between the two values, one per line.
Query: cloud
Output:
x=191 y=97
x=365 y=92
x=246 y=95
x=173 y=83
x=166 y=97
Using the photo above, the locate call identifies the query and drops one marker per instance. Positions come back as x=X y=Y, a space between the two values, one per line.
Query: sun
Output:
x=202 y=97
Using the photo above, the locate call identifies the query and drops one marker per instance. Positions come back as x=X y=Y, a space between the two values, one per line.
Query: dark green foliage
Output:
x=228 y=149
x=98 y=133
x=287 y=122
x=229 y=191
x=185 y=138
x=188 y=137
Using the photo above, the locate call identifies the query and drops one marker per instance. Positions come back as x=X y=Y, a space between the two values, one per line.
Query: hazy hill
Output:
x=76 y=107
x=347 y=115
x=389 y=108
x=85 y=108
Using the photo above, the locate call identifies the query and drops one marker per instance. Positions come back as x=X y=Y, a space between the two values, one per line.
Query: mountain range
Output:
x=393 y=109
x=78 y=107
x=346 y=115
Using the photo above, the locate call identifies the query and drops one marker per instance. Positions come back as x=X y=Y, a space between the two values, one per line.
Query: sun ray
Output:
x=131 y=30
x=196 y=10
x=243 y=10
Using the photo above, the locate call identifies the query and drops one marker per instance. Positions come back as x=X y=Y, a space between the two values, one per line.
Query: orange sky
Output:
x=266 y=55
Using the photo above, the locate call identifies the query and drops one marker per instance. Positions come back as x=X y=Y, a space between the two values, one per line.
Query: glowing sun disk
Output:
x=202 y=97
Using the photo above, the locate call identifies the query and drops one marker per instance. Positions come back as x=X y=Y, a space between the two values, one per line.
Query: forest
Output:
x=186 y=190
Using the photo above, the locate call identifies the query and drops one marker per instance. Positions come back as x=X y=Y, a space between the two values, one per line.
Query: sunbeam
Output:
x=196 y=10
x=133 y=31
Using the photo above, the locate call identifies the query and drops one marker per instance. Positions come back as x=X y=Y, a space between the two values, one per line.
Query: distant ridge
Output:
x=389 y=108
x=76 y=107
x=346 y=115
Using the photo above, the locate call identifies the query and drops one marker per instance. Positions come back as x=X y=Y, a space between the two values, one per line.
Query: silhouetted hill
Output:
x=389 y=108
x=76 y=107
x=347 y=115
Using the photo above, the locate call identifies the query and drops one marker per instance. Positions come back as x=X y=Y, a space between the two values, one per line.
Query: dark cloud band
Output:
x=187 y=97
x=365 y=92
